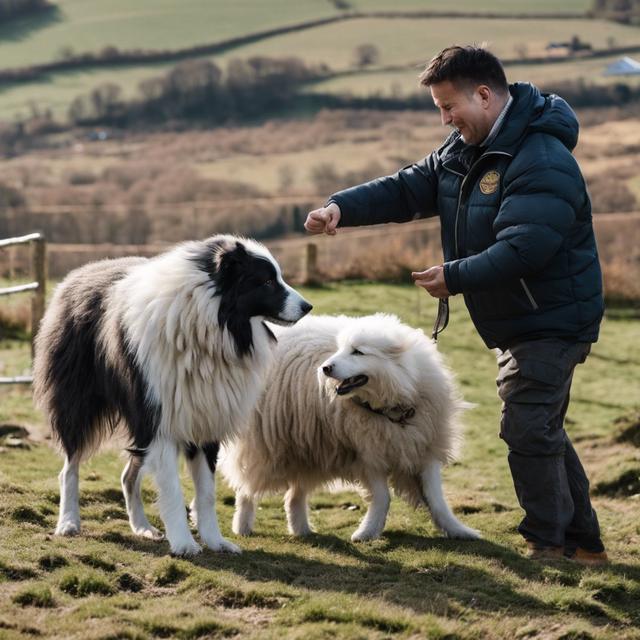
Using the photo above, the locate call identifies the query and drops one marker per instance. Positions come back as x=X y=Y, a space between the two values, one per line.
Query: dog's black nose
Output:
x=327 y=369
x=306 y=307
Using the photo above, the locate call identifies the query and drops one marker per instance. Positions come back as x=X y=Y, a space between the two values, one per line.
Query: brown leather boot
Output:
x=537 y=551
x=588 y=558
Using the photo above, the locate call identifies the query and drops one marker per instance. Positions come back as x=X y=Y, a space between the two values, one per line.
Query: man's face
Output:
x=467 y=110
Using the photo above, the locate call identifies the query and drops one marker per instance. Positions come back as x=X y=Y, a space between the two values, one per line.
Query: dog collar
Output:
x=397 y=414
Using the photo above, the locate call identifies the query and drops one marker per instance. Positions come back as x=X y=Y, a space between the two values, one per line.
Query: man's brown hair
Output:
x=466 y=67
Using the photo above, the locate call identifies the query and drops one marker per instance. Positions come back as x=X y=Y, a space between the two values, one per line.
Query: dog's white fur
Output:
x=303 y=434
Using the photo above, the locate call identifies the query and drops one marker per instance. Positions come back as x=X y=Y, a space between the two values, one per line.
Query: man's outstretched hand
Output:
x=433 y=281
x=323 y=220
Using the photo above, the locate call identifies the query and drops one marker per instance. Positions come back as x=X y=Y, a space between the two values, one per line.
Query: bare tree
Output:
x=366 y=55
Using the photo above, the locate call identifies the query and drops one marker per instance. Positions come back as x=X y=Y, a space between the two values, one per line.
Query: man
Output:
x=518 y=243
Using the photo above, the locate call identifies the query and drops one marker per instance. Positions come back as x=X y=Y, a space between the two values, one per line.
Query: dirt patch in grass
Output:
x=169 y=573
x=629 y=428
x=237 y=599
x=94 y=561
x=52 y=561
x=14 y=430
x=379 y=623
x=28 y=514
x=9 y=572
x=36 y=596
x=161 y=630
x=625 y=483
x=129 y=582
x=208 y=629
x=115 y=537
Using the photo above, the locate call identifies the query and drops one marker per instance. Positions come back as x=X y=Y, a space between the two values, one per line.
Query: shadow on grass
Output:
x=456 y=582
x=452 y=586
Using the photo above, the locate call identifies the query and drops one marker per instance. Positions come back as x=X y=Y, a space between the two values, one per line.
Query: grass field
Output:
x=58 y=90
x=401 y=41
x=410 y=584
x=90 y=25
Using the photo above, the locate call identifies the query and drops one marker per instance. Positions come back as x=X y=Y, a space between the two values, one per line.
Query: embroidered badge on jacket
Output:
x=489 y=182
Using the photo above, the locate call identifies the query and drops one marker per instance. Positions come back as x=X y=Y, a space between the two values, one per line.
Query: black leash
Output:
x=442 y=319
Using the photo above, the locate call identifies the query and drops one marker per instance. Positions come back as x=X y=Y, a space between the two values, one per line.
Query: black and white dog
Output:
x=176 y=349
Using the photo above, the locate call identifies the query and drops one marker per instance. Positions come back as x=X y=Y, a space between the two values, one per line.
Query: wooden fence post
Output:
x=39 y=274
x=310 y=264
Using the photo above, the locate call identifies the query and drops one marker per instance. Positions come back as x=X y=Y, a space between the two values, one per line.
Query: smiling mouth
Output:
x=348 y=384
x=280 y=321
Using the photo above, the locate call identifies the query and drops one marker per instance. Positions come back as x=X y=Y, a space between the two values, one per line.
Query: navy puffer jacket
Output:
x=516 y=225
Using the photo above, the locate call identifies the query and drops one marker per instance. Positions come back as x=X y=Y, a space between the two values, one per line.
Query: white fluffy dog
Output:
x=381 y=408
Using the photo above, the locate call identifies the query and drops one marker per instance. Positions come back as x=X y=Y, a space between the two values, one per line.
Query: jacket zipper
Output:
x=464 y=179
x=532 y=300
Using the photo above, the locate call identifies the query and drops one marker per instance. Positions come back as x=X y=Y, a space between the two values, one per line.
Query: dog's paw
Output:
x=68 y=528
x=300 y=530
x=241 y=528
x=186 y=548
x=221 y=545
x=150 y=533
x=462 y=532
x=363 y=535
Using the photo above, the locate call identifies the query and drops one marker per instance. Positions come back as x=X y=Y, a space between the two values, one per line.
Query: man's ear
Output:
x=485 y=94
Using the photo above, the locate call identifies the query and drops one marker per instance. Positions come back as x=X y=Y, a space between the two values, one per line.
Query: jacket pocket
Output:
x=529 y=295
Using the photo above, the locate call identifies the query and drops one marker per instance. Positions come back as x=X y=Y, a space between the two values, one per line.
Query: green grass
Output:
x=410 y=583
x=91 y=25
x=400 y=42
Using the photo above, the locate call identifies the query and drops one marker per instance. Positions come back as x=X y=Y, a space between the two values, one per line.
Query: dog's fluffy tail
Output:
x=80 y=392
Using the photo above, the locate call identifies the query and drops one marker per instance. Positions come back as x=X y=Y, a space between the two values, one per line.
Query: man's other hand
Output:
x=433 y=281
x=323 y=220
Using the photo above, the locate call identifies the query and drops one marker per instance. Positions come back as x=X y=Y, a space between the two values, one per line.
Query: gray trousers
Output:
x=534 y=381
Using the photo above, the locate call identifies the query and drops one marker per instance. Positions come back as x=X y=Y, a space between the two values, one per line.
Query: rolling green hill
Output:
x=89 y=26
x=401 y=43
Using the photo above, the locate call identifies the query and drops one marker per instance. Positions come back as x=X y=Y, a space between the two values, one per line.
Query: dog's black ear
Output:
x=230 y=263
x=240 y=250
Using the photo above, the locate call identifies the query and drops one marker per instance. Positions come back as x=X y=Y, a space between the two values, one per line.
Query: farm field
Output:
x=282 y=157
x=58 y=90
x=92 y=25
x=403 y=41
x=400 y=42
x=411 y=583
x=404 y=82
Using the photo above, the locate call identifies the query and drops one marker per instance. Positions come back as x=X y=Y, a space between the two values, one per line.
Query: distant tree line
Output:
x=198 y=90
x=14 y=8
x=580 y=94
x=625 y=11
